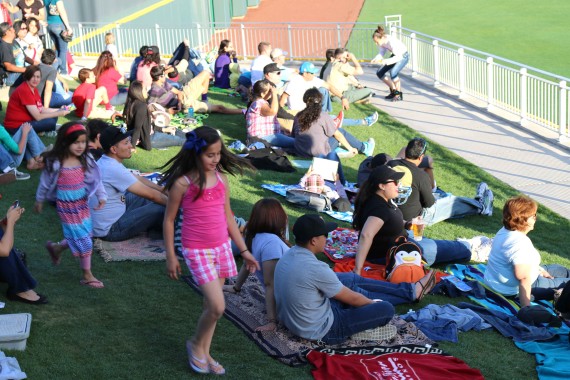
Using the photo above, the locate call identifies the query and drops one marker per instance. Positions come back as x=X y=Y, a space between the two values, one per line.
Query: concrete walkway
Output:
x=530 y=164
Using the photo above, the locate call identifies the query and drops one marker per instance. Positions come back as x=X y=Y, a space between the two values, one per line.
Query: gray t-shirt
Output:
x=265 y=247
x=116 y=179
x=303 y=286
x=314 y=141
x=48 y=73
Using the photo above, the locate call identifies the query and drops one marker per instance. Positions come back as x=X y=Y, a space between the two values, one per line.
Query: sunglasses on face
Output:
x=394 y=181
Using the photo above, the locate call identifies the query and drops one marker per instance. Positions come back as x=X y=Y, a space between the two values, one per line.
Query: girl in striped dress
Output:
x=69 y=179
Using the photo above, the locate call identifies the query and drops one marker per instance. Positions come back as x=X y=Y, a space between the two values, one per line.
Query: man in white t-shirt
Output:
x=257 y=65
x=134 y=204
x=295 y=89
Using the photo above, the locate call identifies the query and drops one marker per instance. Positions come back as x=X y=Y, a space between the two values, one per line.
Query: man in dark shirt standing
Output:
x=421 y=201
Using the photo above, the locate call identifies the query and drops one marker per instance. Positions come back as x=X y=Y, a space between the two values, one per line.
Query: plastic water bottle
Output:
x=190 y=112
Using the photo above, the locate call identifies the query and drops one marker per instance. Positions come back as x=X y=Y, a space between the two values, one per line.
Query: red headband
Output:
x=75 y=128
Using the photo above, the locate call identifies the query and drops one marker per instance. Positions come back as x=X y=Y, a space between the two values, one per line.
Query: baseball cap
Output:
x=277 y=53
x=112 y=136
x=270 y=68
x=309 y=226
x=383 y=174
x=308 y=67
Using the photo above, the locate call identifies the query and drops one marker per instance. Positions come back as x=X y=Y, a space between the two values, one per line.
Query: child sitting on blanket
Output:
x=266 y=238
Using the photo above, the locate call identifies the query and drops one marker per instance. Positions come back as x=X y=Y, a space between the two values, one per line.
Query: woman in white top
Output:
x=514 y=264
x=391 y=65
x=33 y=39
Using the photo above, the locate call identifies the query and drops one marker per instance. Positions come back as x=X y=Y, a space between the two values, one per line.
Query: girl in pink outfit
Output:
x=196 y=182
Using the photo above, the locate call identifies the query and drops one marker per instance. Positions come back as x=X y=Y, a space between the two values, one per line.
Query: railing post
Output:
x=563 y=134
x=157 y=30
x=199 y=31
x=523 y=95
x=414 y=55
x=290 y=42
x=243 y=42
x=81 y=40
x=119 y=41
x=338 y=36
x=461 y=63
x=490 y=84
x=435 y=63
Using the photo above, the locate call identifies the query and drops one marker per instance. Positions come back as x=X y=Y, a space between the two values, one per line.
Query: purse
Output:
x=67 y=37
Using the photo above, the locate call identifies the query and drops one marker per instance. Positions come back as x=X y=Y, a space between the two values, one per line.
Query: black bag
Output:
x=308 y=199
x=270 y=159
x=67 y=37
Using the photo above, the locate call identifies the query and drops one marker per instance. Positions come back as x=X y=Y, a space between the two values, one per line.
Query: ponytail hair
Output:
x=379 y=32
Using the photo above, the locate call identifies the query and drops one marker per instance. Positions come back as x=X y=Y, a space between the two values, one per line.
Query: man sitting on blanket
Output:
x=134 y=204
x=317 y=304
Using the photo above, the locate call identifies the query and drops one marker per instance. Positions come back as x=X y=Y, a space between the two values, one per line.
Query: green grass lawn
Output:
x=137 y=326
x=527 y=32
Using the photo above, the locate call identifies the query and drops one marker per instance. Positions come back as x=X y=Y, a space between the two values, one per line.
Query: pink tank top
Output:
x=204 y=224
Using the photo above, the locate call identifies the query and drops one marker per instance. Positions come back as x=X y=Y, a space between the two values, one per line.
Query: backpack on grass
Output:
x=404 y=262
x=308 y=199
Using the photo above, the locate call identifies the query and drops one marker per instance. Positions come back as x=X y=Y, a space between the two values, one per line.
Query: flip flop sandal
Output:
x=429 y=284
x=95 y=284
x=198 y=365
x=216 y=368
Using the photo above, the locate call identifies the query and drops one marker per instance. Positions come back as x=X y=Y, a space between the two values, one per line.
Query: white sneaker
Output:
x=21 y=176
x=480 y=247
x=480 y=191
x=487 y=202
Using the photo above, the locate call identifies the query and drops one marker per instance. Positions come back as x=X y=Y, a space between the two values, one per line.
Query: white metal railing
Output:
x=531 y=94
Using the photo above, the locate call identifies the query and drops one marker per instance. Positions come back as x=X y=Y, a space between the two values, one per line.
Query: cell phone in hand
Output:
x=15 y=205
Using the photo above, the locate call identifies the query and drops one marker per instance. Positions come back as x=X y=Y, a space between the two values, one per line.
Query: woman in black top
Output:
x=381 y=222
x=138 y=118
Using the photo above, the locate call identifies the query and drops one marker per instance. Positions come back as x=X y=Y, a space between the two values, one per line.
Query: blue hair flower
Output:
x=194 y=142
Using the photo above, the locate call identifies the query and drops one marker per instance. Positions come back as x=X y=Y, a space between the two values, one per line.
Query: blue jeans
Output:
x=119 y=99
x=5 y=159
x=140 y=216
x=451 y=207
x=44 y=125
x=280 y=140
x=161 y=140
x=353 y=141
x=327 y=103
x=394 y=69
x=11 y=78
x=443 y=251
x=350 y=320
x=561 y=276
x=58 y=100
x=14 y=272
x=34 y=146
x=60 y=46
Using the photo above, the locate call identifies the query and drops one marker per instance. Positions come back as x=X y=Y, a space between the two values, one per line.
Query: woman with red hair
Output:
x=514 y=264
x=107 y=75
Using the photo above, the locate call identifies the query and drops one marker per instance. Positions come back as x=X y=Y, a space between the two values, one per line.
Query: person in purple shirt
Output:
x=226 y=55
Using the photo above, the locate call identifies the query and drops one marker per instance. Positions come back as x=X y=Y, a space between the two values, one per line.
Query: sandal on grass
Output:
x=198 y=365
x=216 y=368
x=426 y=283
x=96 y=284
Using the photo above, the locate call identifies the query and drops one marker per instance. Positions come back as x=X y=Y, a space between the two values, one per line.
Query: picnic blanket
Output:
x=246 y=310
x=140 y=248
x=551 y=355
x=282 y=190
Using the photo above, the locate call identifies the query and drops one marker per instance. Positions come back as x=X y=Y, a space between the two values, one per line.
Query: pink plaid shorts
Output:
x=209 y=264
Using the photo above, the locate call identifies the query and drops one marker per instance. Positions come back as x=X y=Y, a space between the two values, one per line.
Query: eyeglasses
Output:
x=394 y=181
x=23 y=28
x=424 y=143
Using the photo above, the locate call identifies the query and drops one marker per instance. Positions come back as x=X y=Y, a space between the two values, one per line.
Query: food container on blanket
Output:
x=14 y=331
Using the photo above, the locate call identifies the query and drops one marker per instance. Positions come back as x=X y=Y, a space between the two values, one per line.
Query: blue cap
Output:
x=308 y=67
